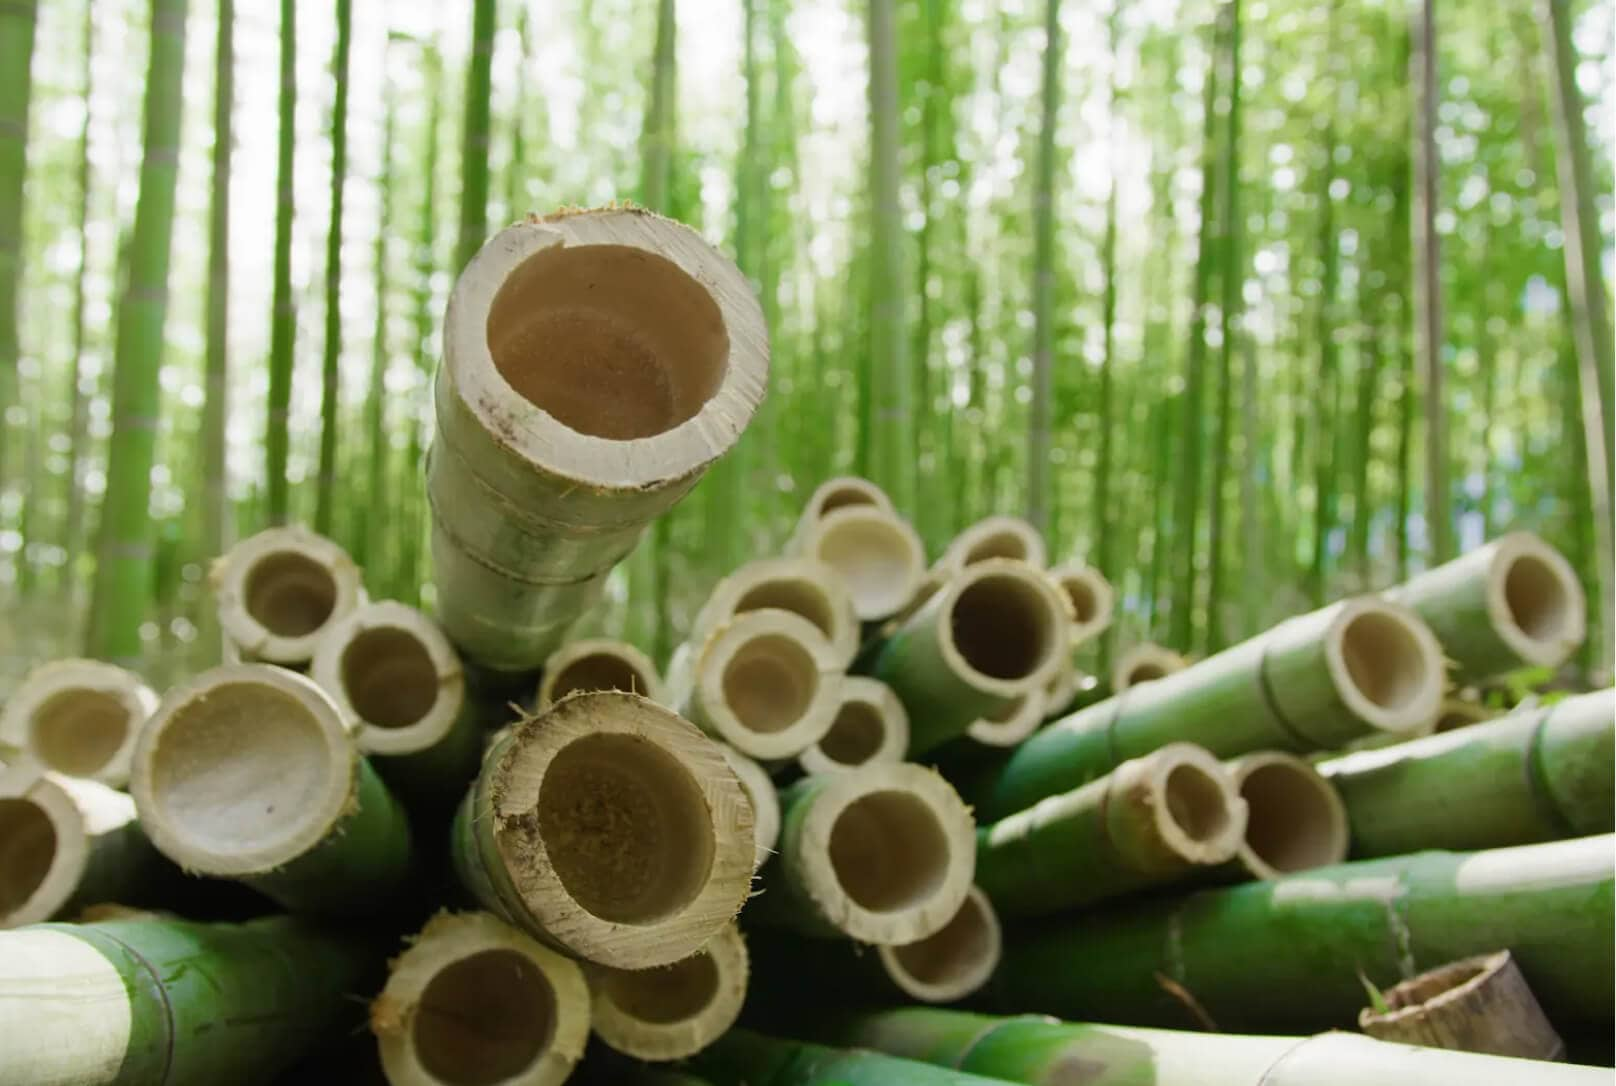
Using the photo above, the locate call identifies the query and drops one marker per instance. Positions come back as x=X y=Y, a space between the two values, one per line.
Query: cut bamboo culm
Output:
x=1313 y=682
x=1535 y=775
x=79 y=718
x=1152 y=821
x=1295 y=820
x=1143 y=663
x=882 y=854
x=842 y=491
x=279 y=590
x=876 y=553
x=671 y=1011
x=996 y=537
x=249 y=772
x=473 y=1000
x=744 y=1058
x=1513 y=603
x=801 y=586
x=184 y=1004
x=595 y=364
x=598 y=664
x=1287 y=954
x=1091 y=598
x=1008 y=726
x=953 y=962
x=990 y=634
x=610 y=828
x=1480 y=1004
x=765 y=803
x=870 y=728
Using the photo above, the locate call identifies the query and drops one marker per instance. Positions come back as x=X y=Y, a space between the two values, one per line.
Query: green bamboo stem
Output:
x=1513 y=603
x=283 y=308
x=1535 y=775
x=76 y=717
x=169 y=1001
x=609 y=828
x=474 y=135
x=330 y=397
x=870 y=727
x=990 y=633
x=882 y=854
x=674 y=1011
x=1295 y=819
x=875 y=552
x=1151 y=821
x=541 y=479
x=744 y=1058
x=1310 y=683
x=249 y=772
x=598 y=664
x=1286 y=955
x=802 y=586
x=18 y=25
x=1039 y=497
x=278 y=591
x=1041 y=1051
x=215 y=532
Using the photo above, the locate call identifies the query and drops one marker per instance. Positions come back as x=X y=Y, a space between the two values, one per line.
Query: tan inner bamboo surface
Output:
x=956 y=959
x=627 y=362
x=1196 y=803
x=855 y=734
x=599 y=671
x=770 y=682
x=77 y=731
x=1538 y=600
x=888 y=851
x=664 y=995
x=27 y=852
x=874 y=555
x=484 y=1018
x=1384 y=660
x=1292 y=823
x=839 y=497
x=389 y=677
x=290 y=594
x=800 y=597
x=1002 y=627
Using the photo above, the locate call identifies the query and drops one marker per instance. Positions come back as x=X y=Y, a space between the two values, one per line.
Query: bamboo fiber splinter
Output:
x=610 y=828
x=77 y=717
x=277 y=592
x=672 y=1011
x=595 y=363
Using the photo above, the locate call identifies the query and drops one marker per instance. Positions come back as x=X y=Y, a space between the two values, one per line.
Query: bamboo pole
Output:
x=673 y=1011
x=744 y=1058
x=1458 y=712
x=1151 y=821
x=249 y=772
x=1480 y=1004
x=1091 y=597
x=1287 y=954
x=1143 y=663
x=765 y=803
x=996 y=537
x=79 y=718
x=398 y=682
x=839 y=492
x=802 y=586
x=1008 y=726
x=1041 y=1051
x=882 y=854
x=1295 y=819
x=1534 y=775
x=876 y=553
x=765 y=682
x=870 y=728
x=1313 y=682
x=67 y=842
x=184 y=1004
x=595 y=364
x=992 y=632
x=474 y=1000
x=1512 y=603
x=955 y=961
x=609 y=828
x=598 y=664
x=279 y=590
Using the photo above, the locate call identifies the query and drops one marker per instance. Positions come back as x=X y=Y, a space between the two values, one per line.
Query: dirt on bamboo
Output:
x=277 y=592
x=673 y=1011
x=76 y=717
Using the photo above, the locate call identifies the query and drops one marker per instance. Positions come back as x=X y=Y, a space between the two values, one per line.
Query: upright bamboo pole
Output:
x=77 y=717
x=331 y=356
x=18 y=25
x=283 y=308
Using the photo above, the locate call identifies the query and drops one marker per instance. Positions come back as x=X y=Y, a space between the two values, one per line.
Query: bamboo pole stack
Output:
x=76 y=717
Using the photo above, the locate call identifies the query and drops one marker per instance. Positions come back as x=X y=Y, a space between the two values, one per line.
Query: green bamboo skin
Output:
x=1277 y=691
x=1535 y=775
x=1285 y=955
x=1151 y=821
x=744 y=1058
x=1039 y=1051
x=1512 y=603
x=173 y=1002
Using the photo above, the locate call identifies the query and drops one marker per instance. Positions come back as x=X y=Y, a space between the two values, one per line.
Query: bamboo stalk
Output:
x=991 y=633
x=1480 y=1004
x=1461 y=713
x=169 y=1001
x=765 y=682
x=996 y=537
x=876 y=553
x=1065 y=685
x=801 y=586
x=279 y=590
x=67 y=842
x=1312 y=682
x=249 y=772
x=474 y=1000
x=870 y=728
x=1295 y=819
x=598 y=664
x=1151 y=821
x=1041 y=1051
x=398 y=682
x=673 y=1011
x=953 y=962
x=1008 y=726
x=839 y=492
x=595 y=364
x=882 y=854
x=1143 y=663
x=1534 y=775
x=1091 y=598
x=765 y=803
x=79 y=718
x=609 y=828
x=1513 y=603
x=744 y=1058
x=1286 y=955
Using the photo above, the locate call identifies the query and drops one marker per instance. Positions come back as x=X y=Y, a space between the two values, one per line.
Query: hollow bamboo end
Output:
x=887 y=853
x=473 y=1000
x=870 y=727
x=804 y=587
x=393 y=675
x=1295 y=819
x=1535 y=601
x=760 y=792
x=997 y=537
x=767 y=684
x=1143 y=663
x=599 y=664
x=1003 y=627
x=877 y=555
x=1194 y=814
x=1019 y=718
x=672 y=1011
x=278 y=591
x=44 y=847
x=1385 y=665
x=1479 y=1004
x=80 y=718
x=624 y=832
x=955 y=961
x=843 y=491
x=242 y=769
x=1090 y=597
